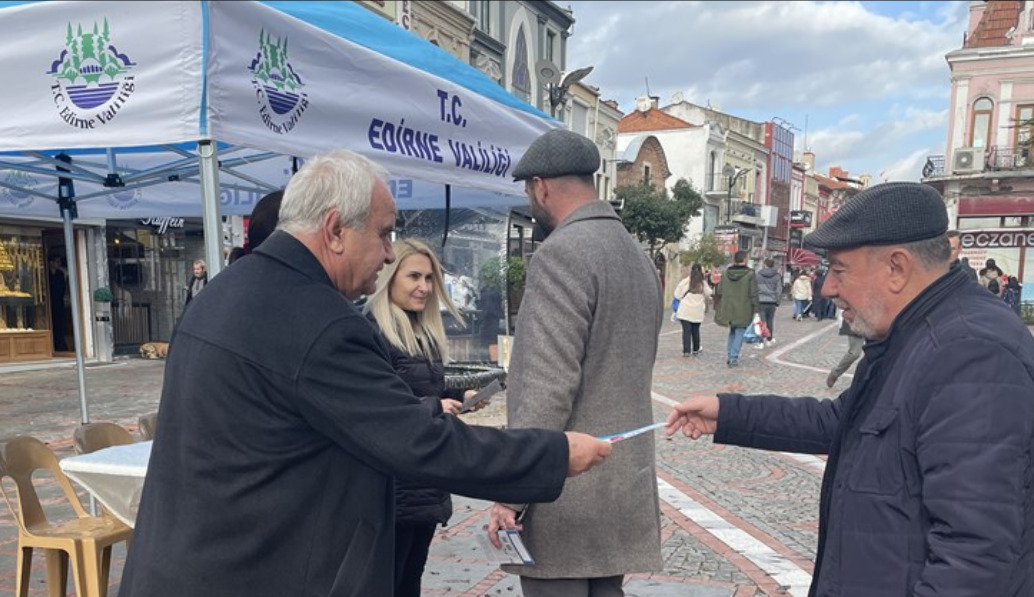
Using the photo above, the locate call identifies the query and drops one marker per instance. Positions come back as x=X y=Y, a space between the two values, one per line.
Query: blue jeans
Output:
x=735 y=343
x=798 y=306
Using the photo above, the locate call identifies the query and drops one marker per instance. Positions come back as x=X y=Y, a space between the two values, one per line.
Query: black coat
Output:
x=929 y=487
x=416 y=503
x=283 y=425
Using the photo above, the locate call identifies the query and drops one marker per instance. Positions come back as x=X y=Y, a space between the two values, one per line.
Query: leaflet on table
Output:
x=484 y=393
x=512 y=552
x=622 y=436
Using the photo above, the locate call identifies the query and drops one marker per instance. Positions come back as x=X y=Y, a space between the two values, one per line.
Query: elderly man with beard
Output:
x=929 y=486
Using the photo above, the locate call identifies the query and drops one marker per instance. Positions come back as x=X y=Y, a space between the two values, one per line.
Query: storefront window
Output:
x=149 y=266
x=23 y=282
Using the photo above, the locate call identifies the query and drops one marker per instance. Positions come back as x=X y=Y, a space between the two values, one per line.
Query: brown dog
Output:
x=154 y=350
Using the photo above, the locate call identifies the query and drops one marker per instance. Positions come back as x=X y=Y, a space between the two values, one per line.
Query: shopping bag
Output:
x=762 y=329
x=674 y=304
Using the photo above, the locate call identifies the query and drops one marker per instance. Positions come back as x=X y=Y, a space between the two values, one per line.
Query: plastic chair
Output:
x=91 y=437
x=148 y=426
x=84 y=541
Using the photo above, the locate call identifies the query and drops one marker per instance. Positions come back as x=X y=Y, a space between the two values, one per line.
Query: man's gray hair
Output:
x=341 y=180
x=933 y=252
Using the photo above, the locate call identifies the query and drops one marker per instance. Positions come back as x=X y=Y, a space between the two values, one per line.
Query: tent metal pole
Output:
x=212 y=223
x=448 y=213
x=66 y=201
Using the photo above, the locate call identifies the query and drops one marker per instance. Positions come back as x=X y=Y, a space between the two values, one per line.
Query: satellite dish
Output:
x=547 y=72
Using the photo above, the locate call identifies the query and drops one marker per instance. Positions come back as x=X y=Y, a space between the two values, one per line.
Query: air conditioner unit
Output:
x=967 y=160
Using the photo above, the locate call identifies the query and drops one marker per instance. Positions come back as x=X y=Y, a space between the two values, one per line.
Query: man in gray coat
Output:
x=929 y=486
x=582 y=360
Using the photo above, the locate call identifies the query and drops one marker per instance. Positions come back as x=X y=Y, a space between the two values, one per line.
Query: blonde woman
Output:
x=407 y=309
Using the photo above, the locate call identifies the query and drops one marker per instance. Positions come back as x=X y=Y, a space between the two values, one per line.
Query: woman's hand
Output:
x=451 y=407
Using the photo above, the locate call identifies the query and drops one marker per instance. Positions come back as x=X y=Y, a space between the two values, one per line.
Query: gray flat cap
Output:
x=558 y=153
x=886 y=214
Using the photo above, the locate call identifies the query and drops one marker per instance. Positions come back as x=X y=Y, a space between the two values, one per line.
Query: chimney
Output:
x=655 y=101
x=809 y=160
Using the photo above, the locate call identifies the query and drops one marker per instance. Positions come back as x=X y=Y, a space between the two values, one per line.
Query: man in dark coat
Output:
x=929 y=486
x=283 y=422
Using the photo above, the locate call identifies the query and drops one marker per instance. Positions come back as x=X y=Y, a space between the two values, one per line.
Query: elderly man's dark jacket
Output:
x=282 y=424
x=929 y=487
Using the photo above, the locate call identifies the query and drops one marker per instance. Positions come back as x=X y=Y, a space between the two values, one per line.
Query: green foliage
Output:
x=704 y=251
x=516 y=272
x=102 y=295
x=493 y=274
x=654 y=217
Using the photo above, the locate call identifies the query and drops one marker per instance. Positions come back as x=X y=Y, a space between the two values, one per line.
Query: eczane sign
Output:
x=996 y=239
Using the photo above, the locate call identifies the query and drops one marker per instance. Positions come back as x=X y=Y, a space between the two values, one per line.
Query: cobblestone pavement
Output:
x=736 y=522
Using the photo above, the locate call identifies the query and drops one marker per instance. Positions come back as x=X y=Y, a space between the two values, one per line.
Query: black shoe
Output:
x=696 y=353
x=733 y=363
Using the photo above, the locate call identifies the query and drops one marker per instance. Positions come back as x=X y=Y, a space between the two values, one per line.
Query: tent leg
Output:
x=212 y=222
x=73 y=284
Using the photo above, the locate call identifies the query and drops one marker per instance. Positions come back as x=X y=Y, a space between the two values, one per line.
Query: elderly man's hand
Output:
x=584 y=452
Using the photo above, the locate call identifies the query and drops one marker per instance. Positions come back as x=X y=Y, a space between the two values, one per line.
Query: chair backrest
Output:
x=21 y=457
x=91 y=437
x=148 y=426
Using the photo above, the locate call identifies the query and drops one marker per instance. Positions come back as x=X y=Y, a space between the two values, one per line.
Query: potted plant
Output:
x=102 y=298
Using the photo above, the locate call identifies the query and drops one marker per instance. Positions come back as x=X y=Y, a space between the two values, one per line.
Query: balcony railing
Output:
x=996 y=159
x=1008 y=158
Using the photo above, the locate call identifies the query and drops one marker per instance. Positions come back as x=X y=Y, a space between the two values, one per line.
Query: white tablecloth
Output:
x=115 y=476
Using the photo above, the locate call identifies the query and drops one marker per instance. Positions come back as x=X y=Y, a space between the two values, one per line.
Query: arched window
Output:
x=980 y=129
x=521 y=80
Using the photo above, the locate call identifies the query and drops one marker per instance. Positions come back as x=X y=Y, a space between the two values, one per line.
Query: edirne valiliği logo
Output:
x=92 y=80
x=278 y=87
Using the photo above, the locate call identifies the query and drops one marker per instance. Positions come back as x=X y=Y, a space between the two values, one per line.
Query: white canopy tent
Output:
x=146 y=107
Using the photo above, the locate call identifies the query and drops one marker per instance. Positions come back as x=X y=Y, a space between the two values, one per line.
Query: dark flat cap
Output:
x=886 y=214
x=558 y=153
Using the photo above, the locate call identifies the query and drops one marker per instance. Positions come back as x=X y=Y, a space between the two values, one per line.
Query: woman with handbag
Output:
x=693 y=294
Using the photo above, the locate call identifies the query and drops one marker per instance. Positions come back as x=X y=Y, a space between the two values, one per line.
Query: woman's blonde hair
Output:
x=425 y=337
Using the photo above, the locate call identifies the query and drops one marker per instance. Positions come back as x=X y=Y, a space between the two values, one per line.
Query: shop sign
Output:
x=163 y=223
x=996 y=239
x=728 y=238
x=800 y=219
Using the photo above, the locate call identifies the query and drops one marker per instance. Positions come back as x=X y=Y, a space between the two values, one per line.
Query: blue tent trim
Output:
x=357 y=24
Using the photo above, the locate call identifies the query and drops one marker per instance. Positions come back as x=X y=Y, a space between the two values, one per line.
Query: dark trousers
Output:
x=690 y=336
x=412 y=542
x=607 y=586
x=768 y=316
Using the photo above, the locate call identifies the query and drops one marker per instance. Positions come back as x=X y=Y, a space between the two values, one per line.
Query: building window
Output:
x=980 y=131
x=482 y=10
x=646 y=174
x=713 y=171
x=1024 y=131
x=550 y=44
x=521 y=80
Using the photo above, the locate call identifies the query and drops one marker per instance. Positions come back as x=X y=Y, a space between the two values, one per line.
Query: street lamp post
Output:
x=733 y=174
x=558 y=91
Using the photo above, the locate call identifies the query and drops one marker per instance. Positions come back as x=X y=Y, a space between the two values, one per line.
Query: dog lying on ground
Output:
x=154 y=350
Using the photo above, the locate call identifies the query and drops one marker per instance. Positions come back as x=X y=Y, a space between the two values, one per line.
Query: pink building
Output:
x=987 y=172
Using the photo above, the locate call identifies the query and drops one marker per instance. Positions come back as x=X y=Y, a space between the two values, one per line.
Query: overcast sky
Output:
x=866 y=83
